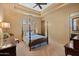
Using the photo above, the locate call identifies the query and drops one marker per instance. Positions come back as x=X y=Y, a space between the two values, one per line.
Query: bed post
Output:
x=29 y=34
x=22 y=30
x=47 y=32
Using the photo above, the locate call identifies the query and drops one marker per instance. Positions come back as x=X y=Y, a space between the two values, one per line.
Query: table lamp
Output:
x=5 y=26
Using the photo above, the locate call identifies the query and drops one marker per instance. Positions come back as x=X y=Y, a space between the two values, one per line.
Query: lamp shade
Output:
x=0 y=20
x=5 y=25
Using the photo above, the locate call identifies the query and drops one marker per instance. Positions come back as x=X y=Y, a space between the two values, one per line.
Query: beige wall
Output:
x=1 y=19
x=58 y=21
x=14 y=18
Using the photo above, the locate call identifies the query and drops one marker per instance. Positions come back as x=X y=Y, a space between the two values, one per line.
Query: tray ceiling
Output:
x=31 y=5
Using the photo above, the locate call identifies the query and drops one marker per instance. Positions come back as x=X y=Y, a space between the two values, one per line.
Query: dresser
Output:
x=8 y=50
x=72 y=48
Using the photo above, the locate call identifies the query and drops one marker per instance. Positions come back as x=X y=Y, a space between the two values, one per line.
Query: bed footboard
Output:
x=38 y=41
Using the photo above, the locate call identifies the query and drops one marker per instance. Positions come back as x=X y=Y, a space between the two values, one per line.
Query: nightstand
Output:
x=8 y=51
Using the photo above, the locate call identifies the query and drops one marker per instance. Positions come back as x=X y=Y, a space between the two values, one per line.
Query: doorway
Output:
x=43 y=27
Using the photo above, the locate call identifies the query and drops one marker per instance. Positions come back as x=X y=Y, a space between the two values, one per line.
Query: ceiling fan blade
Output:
x=35 y=6
x=42 y=3
x=40 y=6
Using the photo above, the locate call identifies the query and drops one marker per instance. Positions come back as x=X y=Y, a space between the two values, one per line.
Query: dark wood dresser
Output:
x=71 y=51
x=72 y=48
x=8 y=51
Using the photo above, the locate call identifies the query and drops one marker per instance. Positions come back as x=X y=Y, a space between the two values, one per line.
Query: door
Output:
x=43 y=27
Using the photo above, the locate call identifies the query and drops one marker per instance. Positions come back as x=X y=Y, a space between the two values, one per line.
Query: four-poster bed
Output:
x=33 y=39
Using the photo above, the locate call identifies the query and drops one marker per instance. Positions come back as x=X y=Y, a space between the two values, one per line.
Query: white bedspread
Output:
x=33 y=37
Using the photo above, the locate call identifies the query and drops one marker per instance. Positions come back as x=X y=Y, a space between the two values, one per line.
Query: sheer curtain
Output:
x=25 y=25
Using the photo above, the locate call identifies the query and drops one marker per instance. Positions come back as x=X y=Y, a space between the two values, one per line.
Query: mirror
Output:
x=75 y=24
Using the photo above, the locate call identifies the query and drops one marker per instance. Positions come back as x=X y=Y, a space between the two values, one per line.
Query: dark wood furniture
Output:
x=38 y=41
x=72 y=35
x=9 y=51
x=74 y=49
x=30 y=29
x=76 y=44
x=71 y=51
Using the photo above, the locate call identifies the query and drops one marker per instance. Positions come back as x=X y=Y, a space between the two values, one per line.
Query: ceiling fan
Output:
x=39 y=5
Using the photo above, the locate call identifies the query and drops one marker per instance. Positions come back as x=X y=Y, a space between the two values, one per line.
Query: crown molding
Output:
x=29 y=11
x=52 y=8
x=26 y=10
x=26 y=13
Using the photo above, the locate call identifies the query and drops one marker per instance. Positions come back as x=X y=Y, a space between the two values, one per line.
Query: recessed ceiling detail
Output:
x=37 y=8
